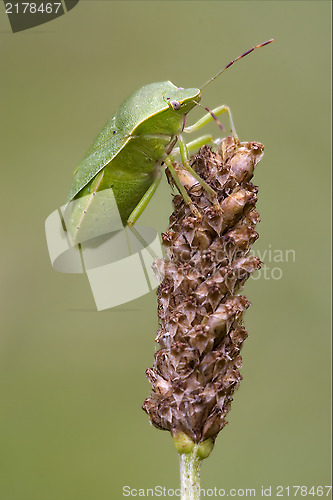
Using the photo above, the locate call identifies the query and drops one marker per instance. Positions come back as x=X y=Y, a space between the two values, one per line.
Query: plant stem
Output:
x=190 y=465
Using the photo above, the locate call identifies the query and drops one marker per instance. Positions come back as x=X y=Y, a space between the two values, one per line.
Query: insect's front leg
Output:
x=212 y=116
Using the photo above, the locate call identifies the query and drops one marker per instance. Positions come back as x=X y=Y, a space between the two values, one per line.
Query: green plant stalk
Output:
x=190 y=465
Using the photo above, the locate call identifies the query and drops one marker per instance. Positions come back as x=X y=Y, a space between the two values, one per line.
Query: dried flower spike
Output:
x=196 y=369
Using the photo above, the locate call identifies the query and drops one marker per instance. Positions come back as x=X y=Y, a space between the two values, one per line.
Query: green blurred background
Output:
x=72 y=378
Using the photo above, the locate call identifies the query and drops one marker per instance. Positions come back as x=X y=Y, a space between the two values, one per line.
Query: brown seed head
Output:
x=196 y=369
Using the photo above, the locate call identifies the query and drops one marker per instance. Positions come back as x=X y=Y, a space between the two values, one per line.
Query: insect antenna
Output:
x=237 y=59
x=212 y=115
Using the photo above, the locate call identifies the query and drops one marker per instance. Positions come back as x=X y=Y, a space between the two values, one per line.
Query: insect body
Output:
x=128 y=153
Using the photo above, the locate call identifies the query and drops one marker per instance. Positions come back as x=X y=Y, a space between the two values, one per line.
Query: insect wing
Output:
x=106 y=146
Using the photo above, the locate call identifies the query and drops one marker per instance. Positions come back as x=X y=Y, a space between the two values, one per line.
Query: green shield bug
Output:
x=128 y=154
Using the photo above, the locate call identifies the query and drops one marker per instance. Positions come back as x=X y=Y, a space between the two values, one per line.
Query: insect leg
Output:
x=138 y=210
x=196 y=144
x=212 y=116
x=187 y=166
x=143 y=242
x=181 y=188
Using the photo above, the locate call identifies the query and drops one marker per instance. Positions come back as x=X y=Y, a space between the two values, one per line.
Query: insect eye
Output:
x=175 y=104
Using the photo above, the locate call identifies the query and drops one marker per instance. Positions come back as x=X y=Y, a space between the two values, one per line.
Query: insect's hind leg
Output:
x=138 y=210
x=143 y=242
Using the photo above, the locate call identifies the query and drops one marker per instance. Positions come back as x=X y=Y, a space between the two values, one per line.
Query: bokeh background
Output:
x=72 y=378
